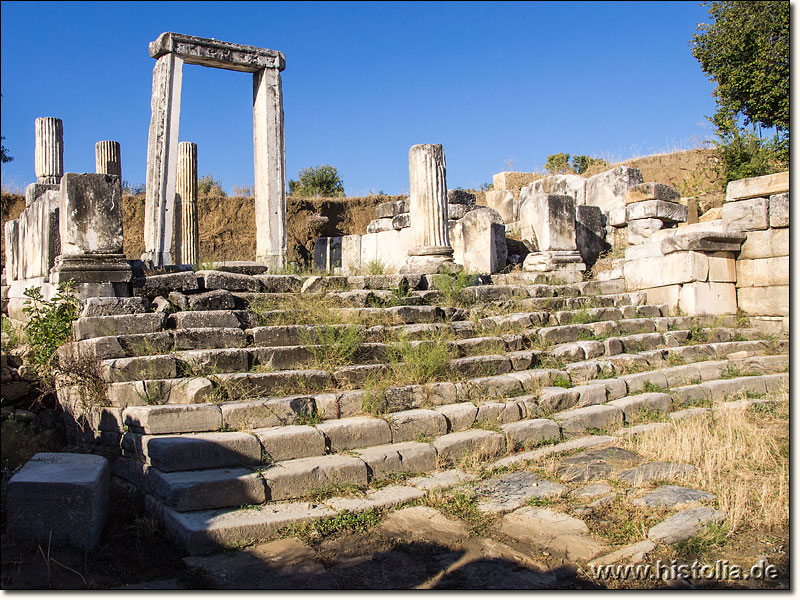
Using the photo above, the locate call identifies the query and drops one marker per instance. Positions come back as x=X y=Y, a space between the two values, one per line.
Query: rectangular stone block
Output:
x=39 y=237
x=722 y=267
x=779 y=210
x=90 y=214
x=668 y=294
x=708 y=299
x=409 y=425
x=406 y=457
x=504 y=203
x=291 y=441
x=393 y=247
x=455 y=446
x=762 y=272
x=369 y=248
x=355 y=432
x=187 y=418
x=198 y=451
x=746 y=215
x=549 y=221
x=93 y=327
x=59 y=498
x=640 y=231
x=764 y=301
x=531 y=432
x=590 y=417
x=753 y=187
x=651 y=191
x=512 y=180
x=265 y=412
x=479 y=241
x=672 y=212
x=608 y=189
x=296 y=478
x=207 y=488
x=765 y=244
x=678 y=267
x=351 y=254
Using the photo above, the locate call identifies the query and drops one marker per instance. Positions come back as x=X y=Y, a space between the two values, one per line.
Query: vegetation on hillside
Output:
x=563 y=163
x=322 y=180
x=745 y=51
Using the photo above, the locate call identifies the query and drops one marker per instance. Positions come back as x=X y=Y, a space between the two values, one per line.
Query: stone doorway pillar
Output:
x=171 y=51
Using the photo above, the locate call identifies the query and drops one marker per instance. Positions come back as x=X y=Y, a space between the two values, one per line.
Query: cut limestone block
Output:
x=291 y=441
x=202 y=532
x=411 y=424
x=765 y=244
x=207 y=488
x=609 y=189
x=779 y=210
x=670 y=212
x=265 y=412
x=406 y=457
x=455 y=446
x=549 y=222
x=634 y=405
x=722 y=267
x=355 y=432
x=678 y=267
x=186 y=418
x=651 y=191
x=93 y=327
x=59 y=497
x=555 y=531
x=766 y=301
x=762 y=272
x=296 y=478
x=199 y=451
x=531 y=432
x=746 y=215
x=753 y=187
x=459 y=416
x=589 y=417
x=390 y=495
x=708 y=299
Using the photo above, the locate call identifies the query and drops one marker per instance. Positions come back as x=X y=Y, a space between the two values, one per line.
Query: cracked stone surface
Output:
x=684 y=525
x=673 y=495
x=655 y=471
x=511 y=491
x=591 y=464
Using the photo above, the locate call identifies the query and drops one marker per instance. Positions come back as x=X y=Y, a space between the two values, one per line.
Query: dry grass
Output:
x=743 y=456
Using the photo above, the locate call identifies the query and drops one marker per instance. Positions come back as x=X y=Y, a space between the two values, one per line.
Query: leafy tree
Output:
x=322 y=180
x=564 y=163
x=745 y=51
x=208 y=186
x=5 y=157
x=558 y=163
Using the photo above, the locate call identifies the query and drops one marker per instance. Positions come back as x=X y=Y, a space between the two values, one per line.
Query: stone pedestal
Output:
x=187 y=237
x=49 y=150
x=428 y=207
x=566 y=265
x=107 y=158
x=91 y=235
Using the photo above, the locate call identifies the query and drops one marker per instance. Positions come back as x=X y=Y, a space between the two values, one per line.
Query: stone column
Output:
x=49 y=154
x=270 y=168
x=428 y=208
x=162 y=150
x=187 y=238
x=107 y=158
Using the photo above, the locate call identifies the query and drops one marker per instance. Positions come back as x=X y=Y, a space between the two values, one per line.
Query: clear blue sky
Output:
x=498 y=84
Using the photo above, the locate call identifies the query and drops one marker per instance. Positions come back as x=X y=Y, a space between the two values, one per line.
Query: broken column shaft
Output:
x=107 y=158
x=49 y=150
x=187 y=235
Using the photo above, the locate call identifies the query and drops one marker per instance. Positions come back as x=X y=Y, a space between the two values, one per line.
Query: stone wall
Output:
x=759 y=208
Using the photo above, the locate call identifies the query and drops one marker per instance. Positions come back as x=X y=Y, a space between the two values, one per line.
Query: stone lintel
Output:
x=214 y=53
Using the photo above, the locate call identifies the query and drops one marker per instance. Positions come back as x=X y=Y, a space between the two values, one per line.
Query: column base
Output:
x=431 y=264
x=561 y=264
x=157 y=259
x=274 y=262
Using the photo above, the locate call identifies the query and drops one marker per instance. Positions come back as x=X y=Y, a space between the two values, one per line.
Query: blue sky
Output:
x=500 y=85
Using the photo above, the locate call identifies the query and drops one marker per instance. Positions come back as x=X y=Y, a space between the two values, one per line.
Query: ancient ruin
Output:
x=437 y=359
x=171 y=51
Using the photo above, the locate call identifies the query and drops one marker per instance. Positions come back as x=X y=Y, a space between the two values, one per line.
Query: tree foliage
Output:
x=562 y=163
x=5 y=157
x=322 y=180
x=208 y=186
x=745 y=51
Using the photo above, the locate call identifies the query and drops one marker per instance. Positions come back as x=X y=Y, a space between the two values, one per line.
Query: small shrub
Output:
x=375 y=267
x=419 y=362
x=451 y=287
x=322 y=180
x=208 y=186
x=49 y=325
x=333 y=347
x=308 y=418
x=562 y=382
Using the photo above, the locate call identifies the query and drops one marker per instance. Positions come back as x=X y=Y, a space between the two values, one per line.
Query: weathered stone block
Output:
x=199 y=338
x=406 y=457
x=479 y=241
x=455 y=446
x=233 y=282
x=532 y=432
x=199 y=451
x=651 y=191
x=641 y=230
x=589 y=417
x=753 y=187
x=722 y=267
x=512 y=180
x=746 y=215
x=59 y=498
x=765 y=244
x=291 y=441
x=90 y=214
x=633 y=405
x=93 y=327
x=765 y=301
x=708 y=299
x=459 y=416
x=608 y=189
x=504 y=203
x=570 y=185
x=411 y=424
x=762 y=272
x=548 y=222
x=212 y=300
x=266 y=412
x=779 y=210
x=296 y=478
x=356 y=432
x=670 y=212
x=679 y=267
x=162 y=285
x=590 y=233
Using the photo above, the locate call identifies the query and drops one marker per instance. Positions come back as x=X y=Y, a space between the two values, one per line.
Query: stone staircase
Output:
x=241 y=403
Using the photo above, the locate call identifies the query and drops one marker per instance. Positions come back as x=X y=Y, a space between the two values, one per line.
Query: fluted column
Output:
x=187 y=236
x=49 y=153
x=107 y=158
x=428 y=206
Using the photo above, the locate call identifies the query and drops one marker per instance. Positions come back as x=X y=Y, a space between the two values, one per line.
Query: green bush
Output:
x=49 y=325
x=322 y=180
x=743 y=155
x=208 y=186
